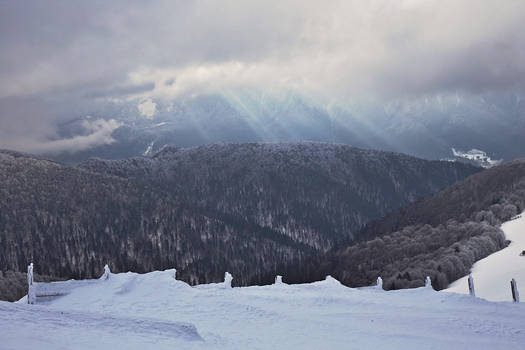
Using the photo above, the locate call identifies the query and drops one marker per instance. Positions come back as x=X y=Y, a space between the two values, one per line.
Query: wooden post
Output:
x=471 y=290
x=514 y=289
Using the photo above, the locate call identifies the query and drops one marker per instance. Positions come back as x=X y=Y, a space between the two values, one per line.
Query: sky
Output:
x=61 y=60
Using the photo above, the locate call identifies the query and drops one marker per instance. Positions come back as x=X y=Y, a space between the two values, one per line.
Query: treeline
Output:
x=404 y=258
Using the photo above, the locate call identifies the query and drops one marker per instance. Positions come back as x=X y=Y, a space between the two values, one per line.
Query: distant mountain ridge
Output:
x=423 y=127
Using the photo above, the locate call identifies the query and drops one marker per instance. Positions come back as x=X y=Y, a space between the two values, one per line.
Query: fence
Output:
x=44 y=292
x=41 y=293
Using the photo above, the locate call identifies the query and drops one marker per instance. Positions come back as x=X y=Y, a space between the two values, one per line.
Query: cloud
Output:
x=69 y=58
x=345 y=46
x=148 y=108
x=98 y=132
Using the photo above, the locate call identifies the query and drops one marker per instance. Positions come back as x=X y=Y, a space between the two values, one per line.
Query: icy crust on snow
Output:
x=493 y=274
x=155 y=311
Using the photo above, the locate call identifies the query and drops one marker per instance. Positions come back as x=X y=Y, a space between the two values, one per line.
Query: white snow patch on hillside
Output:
x=477 y=156
x=155 y=311
x=492 y=275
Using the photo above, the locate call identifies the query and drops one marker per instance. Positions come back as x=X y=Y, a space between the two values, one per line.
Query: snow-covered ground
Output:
x=155 y=311
x=493 y=274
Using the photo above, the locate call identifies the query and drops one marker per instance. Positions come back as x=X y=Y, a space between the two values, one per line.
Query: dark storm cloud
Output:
x=63 y=44
x=58 y=57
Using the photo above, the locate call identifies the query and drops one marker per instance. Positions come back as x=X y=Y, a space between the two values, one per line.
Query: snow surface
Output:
x=155 y=311
x=493 y=274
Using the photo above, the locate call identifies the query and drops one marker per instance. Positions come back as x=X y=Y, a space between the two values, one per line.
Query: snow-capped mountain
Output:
x=424 y=127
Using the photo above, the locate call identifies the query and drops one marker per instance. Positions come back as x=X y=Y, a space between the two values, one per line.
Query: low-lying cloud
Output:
x=98 y=133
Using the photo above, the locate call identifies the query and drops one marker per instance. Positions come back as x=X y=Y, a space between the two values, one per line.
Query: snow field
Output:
x=153 y=310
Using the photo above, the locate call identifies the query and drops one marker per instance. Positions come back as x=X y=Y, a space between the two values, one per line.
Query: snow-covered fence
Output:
x=228 y=280
x=514 y=290
x=40 y=292
x=471 y=290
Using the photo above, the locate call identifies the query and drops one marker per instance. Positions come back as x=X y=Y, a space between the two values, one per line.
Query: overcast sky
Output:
x=60 y=58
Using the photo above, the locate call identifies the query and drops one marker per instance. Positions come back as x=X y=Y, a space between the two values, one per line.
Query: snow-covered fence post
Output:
x=31 y=295
x=106 y=273
x=30 y=274
x=379 y=283
x=228 y=280
x=514 y=289
x=428 y=282
x=278 y=279
x=471 y=290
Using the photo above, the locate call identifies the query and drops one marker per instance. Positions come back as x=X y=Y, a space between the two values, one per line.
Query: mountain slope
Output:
x=71 y=222
x=500 y=189
x=254 y=210
x=314 y=193
x=441 y=236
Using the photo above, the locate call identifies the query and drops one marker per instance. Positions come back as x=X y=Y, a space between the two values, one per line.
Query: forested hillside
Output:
x=70 y=222
x=440 y=236
x=314 y=193
x=254 y=210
